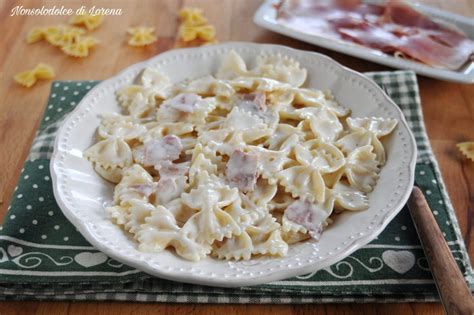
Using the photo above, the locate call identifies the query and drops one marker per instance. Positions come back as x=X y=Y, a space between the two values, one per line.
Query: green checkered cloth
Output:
x=43 y=257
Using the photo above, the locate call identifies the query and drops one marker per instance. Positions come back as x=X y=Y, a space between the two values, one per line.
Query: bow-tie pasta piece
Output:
x=136 y=183
x=362 y=169
x=245 y=126
x=207 y=85
x=188 y=33
x=280 y=201
x=28 y=78
x=280 y=68
x=263 y=238
x=210 y=225
x=361 y=138
x=161 y=231
x=118 y=126
x=186 y=107
x=292 y=232
x=80 y=47
x=138 y=100
x=110 y=152
x=256 y=104
x=325 y=125
x=320 y=99
x=157 y=82
x=90 y=22
x=192 y=16
x=141 y=36
x=138 y=211
x=263 y=193
x=232 y=67
x=182 y=130
x=303 y=182
x=349 y=198
x=377 y=125
x=113 y=175
x=239 y=247
x=180 y=211
x=266 y=238
x=194 y=29
x=285 y=138
x=36 y=34
x=63 y=35
x=467 y=148
x=200 y=163
x=244 y=211
x=271 y=163
x=211 y=192
x=322 y=156
x=226 y=141
x=118 y=214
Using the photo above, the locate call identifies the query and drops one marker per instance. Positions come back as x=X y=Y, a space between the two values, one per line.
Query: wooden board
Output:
x=448 y=110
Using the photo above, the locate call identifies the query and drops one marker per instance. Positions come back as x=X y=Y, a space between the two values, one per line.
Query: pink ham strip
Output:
x=241 y=170
x=254 y=103
x=307 y=215
x=162 y=150
x=167 y=189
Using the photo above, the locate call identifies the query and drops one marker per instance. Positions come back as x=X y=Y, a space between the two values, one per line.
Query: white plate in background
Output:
x=266 y=18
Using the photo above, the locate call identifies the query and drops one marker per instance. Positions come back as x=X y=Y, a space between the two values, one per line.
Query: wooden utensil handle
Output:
x=455 y=295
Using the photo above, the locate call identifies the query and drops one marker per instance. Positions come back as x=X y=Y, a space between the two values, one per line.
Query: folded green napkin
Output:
x=42 y=255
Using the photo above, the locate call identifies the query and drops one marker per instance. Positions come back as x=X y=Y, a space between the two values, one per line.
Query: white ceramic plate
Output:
x=81 y=193
x=266 y=17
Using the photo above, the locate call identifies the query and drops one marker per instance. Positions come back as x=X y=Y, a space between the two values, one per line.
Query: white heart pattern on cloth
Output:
x=14 y=250
x=400 y=261
x=88 y=259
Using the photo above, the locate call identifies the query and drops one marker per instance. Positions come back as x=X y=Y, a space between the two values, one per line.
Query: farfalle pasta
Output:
x=194 y=26
x=234 y=165
x=28 y=78
x=90 y=22
x=141 y=36
x=467 y=148
x=70 y=39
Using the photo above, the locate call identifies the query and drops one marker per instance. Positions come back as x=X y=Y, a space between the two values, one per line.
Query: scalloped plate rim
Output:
x=357 y=243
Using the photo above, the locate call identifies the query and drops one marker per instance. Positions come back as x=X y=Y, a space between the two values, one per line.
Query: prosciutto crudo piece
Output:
x=160 y=151
x=394 y=28
x=241 y=170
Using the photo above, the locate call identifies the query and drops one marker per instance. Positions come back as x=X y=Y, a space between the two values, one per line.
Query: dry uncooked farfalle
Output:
x=29 y=78
x=141 y=36
x=195 y=27
x=80 y=47
x=192 y=16
x=467 y=148
x=89 y=21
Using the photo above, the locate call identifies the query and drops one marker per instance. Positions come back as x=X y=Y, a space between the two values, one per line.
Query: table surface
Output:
x=448 y=110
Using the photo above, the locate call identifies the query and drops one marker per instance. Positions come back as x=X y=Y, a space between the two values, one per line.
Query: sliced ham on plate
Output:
x=395 y=28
